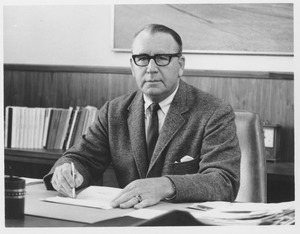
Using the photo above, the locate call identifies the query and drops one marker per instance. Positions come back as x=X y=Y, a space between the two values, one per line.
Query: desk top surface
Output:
x=41 y=213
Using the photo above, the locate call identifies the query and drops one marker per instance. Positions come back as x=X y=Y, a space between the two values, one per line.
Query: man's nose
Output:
x=152 y=67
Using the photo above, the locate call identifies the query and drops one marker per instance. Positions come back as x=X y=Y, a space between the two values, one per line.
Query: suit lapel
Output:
x=173 y=122
x=136 y=125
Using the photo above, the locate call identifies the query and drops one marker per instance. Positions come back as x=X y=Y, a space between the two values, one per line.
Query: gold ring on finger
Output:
x=139 y=198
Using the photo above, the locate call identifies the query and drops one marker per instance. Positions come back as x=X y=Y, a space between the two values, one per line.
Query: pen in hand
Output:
x=73 y=175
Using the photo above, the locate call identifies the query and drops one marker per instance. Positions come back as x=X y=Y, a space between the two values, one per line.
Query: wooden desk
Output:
x=35 y=221
x=45 y=214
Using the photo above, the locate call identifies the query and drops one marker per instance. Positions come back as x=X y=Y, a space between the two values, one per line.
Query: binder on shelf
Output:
x=15 y=127
x=92 y=113
x=42 y=112
x=26 y=128
x=48 y=114
x=23 y=128
x=8 y=126
x=81 y=118
x=66 y=127
x=71 y=133
x=60 y=128
x=53 y=127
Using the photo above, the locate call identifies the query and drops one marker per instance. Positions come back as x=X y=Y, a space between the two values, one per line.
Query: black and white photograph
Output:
x=149 y=116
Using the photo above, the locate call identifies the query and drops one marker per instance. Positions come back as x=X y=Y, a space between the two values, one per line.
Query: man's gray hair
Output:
x=155 y=28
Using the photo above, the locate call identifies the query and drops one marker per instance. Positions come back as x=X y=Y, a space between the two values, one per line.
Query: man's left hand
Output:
x=144 y=192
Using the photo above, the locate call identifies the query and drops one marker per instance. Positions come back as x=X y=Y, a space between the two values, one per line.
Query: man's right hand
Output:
x=62 y=180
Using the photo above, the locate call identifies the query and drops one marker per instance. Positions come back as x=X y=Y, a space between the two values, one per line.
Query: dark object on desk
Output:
x=123 y=221
x=172 y=218
x=14 y=197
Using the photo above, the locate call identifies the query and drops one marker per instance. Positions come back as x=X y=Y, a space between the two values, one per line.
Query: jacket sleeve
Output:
x=91 y=156
x=219 y=168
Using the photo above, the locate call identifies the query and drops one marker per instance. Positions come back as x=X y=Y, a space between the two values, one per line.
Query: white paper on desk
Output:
x=93 y=196
x=240 y=213
x=239 y=207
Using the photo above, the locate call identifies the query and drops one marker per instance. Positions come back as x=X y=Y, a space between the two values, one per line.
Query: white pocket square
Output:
x=185 y=158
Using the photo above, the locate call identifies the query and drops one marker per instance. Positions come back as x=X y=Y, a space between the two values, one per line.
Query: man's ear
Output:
x=131 y=66
x=181 y=65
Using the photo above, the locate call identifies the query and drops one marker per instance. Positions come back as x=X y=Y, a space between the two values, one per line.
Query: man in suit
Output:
x=196 y=156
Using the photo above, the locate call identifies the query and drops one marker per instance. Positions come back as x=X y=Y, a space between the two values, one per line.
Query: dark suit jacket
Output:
x=197 y=124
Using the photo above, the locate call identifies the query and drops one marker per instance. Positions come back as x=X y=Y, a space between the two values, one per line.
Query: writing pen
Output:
x=73 y=175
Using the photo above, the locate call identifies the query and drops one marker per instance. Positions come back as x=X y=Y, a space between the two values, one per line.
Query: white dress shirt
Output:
x=161 y=113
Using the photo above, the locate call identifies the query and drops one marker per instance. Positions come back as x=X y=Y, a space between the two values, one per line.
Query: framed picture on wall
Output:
x=212 y=28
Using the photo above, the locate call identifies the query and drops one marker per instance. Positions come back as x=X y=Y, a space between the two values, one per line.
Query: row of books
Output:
x=46 y=128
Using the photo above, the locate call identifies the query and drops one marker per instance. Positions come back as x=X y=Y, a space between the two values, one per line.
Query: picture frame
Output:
x=249 y=29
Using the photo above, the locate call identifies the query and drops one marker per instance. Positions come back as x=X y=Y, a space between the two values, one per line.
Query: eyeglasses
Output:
x=142 y=60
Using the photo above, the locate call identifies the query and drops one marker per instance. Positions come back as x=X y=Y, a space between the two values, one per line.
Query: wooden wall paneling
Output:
x=272 y=100
x=50 y=88
x=120 y=84
x=9 y=92
x=81 y=89
x=98 y=89
x=77 y=88
x=269 y=95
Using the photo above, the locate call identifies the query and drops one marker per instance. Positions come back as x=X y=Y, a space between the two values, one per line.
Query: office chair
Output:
x=253 y=177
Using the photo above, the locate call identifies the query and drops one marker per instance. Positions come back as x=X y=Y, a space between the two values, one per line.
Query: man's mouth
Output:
x=153 y=81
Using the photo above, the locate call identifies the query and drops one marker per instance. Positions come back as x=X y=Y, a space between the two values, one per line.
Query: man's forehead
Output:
x=158 y=41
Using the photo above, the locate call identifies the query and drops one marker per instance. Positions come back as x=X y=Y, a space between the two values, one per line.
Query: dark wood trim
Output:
x=38 y=156
x=240 y=74
x=126 y=70
x=66 y=68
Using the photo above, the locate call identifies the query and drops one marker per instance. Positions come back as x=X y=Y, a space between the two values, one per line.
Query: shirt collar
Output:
x=164 y=105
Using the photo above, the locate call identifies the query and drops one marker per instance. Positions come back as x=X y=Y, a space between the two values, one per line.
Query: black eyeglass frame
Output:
x=170 y=56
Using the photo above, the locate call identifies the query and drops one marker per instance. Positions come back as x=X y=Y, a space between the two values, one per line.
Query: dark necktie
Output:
x=152 y=131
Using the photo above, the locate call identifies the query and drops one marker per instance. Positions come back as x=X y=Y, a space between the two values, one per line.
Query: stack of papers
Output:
x=226 y=213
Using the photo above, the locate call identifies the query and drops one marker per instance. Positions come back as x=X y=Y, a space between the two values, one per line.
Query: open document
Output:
x=226 y=213
x=93 y=196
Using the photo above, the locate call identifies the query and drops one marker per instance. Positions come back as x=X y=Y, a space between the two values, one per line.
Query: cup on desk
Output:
x=14 y=197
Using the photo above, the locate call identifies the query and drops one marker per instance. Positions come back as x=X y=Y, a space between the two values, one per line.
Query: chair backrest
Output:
x=253 y=177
